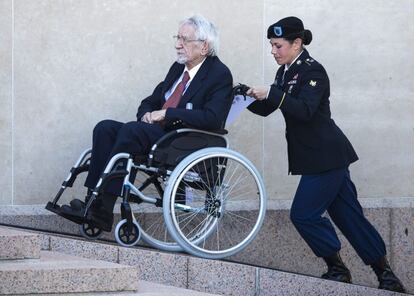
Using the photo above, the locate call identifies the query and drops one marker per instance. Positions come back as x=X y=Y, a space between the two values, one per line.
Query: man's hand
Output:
x=258 y=92
x=158 y=115
x=146 y=118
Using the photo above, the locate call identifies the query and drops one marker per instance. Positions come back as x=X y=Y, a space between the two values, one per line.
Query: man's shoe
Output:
x=74 y=215
x=99 y=217
x=68 y=210
x=386 y=277
x=77 y=204
x=100 y=213
x=337 y=271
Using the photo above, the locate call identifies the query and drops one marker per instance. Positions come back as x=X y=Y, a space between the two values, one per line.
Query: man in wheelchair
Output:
x=196 y=92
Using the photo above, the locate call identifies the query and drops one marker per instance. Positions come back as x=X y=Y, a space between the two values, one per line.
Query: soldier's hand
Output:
x=258 y=92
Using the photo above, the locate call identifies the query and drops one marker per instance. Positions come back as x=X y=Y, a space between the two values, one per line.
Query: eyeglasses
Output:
x=184 y=39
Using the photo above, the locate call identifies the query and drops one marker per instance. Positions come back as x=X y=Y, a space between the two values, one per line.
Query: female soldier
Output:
x=320 y=152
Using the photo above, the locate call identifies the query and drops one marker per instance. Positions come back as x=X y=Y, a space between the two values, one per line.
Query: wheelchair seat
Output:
x=173 y=147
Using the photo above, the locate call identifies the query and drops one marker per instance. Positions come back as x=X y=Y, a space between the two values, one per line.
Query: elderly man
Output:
x=197 y=77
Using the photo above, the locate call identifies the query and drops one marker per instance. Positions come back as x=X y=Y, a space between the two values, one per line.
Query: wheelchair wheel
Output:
x=90 y=231
x=127 y=236
x=150 y=218
x=215 y=203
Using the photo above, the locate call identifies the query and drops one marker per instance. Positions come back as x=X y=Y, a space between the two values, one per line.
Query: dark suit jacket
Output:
x=209 y=92
x=315 y=142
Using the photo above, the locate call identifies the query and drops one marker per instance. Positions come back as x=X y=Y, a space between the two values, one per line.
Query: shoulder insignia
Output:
x=308 y=61
x=298 y=62
x=312 y=83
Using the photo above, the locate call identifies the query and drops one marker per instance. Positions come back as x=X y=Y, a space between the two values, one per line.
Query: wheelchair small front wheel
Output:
x=215 y=203
x=127 y=235
x=90 y=231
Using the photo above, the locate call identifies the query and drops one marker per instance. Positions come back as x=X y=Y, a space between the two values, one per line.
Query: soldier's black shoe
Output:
x=337 y=271
x=386 y=277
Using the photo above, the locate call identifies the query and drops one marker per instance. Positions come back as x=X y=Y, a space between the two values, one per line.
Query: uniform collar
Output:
x=288 y=66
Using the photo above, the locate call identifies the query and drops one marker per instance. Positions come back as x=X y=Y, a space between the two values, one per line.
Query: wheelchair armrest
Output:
x=220 y=132
x=186 y=130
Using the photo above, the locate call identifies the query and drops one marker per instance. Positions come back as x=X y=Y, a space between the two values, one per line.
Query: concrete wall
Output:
x=66 y=64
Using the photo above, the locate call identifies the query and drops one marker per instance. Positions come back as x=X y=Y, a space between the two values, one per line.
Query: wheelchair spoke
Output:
x=197 y=227
x=207 y=175
x=187 y=219
x=238 y=216
x=155 y=226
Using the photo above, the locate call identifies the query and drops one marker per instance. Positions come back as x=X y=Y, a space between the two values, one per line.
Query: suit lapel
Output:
x=196 y=83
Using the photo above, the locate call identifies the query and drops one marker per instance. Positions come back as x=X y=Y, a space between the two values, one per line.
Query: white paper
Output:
x=238 y=105
x=189 y=194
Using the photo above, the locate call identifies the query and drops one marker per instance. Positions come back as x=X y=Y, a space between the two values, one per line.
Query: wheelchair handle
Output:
x=240 y=89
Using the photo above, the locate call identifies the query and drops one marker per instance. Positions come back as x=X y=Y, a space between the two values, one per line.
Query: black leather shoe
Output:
x=68 y=210
x=99 y=217
x=100 y=213
x=74 y=215
x=77 y=204
x=386 y=277
x=337 y=271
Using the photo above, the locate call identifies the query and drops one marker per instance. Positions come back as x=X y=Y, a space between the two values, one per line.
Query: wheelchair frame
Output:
x=201 y=201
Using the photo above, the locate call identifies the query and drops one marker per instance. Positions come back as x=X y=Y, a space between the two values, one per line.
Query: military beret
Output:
x=289 y=28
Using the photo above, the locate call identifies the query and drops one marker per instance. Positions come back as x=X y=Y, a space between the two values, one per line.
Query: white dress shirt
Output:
x=192 y=73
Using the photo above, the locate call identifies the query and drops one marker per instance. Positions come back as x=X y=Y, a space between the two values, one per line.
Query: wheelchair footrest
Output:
x=57 y=210
x=53 y=207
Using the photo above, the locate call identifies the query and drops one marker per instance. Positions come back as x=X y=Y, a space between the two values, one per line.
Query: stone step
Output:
x=15 y=244
x=144 y=289
x=60 y=273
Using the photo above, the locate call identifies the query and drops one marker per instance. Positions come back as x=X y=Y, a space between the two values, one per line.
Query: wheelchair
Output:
x=190 y=193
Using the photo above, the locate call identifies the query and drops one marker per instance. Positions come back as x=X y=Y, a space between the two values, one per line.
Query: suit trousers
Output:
x=334 y=192
x=111 y=137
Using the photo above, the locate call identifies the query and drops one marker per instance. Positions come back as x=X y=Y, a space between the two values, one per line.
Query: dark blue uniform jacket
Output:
x=315 y=142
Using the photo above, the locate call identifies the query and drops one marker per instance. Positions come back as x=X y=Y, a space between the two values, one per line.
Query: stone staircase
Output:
x=25 y=269
x=36 y=263
x=28 y=270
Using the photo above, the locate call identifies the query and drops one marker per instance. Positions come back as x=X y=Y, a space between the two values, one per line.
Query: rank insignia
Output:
x=299 y=62
x=312 y=83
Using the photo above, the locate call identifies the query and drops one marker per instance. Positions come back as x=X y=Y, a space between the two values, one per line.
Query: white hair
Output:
x=204 y=30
